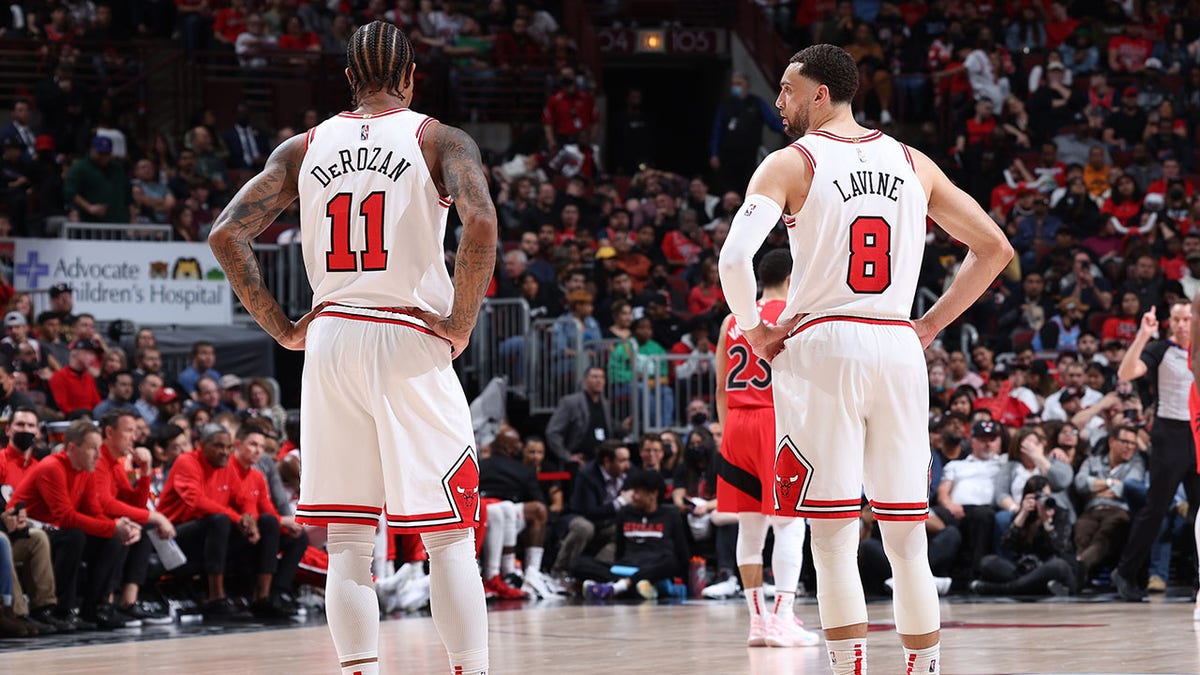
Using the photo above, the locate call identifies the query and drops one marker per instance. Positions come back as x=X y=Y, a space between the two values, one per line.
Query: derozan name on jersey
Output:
x=366 y=159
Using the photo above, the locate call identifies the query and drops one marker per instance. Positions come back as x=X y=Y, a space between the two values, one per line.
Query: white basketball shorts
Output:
x=384 y=422
x=851 y=414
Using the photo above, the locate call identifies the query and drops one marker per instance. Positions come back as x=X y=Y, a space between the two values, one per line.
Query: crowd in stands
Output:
x=1071 y=123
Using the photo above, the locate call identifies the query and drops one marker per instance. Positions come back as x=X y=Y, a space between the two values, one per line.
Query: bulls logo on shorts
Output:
x=462 y=486
x=793 y=473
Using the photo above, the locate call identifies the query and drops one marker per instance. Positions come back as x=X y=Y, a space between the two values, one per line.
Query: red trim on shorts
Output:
x=322 y=521
x=856 y=503
x=898 y=506
x=420 y=529
x=421 y=130
x=376 y=319
x=908 y=156
x=825 y=515
x=355 y=115
x=851 y=319
x=812 y=163
x=422 y=516
x=890 y=518
x=865 y=138
x=340 y=507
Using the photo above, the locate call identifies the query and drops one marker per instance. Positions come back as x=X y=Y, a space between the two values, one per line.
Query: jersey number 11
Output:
x=341 y=257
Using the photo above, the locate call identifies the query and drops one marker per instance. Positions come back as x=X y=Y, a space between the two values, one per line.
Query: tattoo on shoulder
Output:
x=462 y=169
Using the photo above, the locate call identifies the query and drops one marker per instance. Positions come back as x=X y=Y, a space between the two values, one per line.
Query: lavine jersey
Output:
x=858 y=241
x=371 y=220
x=747 y=377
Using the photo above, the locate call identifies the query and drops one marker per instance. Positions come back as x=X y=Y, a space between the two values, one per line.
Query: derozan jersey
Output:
x=748 y=377
x=858 y=241
x=371 y=220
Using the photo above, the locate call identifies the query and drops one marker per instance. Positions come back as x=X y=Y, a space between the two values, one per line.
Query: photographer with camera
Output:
x=1039 y=541
x=1172 y=455
x=1103 y=479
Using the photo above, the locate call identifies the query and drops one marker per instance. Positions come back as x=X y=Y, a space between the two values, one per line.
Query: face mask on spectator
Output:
x=736 y=91
x=23 y=440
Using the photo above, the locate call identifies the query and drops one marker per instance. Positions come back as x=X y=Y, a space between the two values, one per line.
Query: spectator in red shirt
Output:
x=60 y=491
x=17 y=458
x=517 y=50
x=682 y=247
x=120 y=494
x=230 y=22
x=74 y=387
x=213 y=524
x=568 y=112
x=295 y=38
x=1127 y=52
x=248 y=448
x=707 y=293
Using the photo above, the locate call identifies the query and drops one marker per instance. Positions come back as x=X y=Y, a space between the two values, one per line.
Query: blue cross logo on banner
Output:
x=32 y=269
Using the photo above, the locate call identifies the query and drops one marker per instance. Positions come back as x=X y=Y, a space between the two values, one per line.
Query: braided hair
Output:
x=379 y=56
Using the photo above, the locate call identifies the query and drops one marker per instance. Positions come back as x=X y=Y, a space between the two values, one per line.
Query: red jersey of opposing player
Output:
x=748 y=382
x=748 y=444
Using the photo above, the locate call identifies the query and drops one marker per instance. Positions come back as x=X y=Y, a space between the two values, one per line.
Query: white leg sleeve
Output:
x=350 y=602
x=751 y=537
x=493 y=538
x=456 y=599
x=840 y=596
x=916 y=599
x=512 y=522
x=788 y=556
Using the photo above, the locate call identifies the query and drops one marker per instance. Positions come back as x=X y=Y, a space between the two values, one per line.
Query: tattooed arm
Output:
x=250 y=212
x=457 y=170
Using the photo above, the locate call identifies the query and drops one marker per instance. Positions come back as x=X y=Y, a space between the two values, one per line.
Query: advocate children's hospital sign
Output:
x=148 y=283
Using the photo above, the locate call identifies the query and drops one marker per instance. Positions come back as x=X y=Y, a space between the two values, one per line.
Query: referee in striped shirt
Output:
x=1172 y=451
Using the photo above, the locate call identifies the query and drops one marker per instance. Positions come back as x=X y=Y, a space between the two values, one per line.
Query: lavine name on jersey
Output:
x=871 y=183
x=365 y=159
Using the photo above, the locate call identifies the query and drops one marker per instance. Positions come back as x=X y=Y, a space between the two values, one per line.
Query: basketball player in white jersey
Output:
x=851 y=391
x=384 y=422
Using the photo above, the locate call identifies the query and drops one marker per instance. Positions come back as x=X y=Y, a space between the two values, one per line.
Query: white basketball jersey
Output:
x=371 y=220
x=858 y=241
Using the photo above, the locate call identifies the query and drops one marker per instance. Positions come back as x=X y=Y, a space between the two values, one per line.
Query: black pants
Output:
x=998 y=570
x=1172 y=461
x=205 y=542
x=587 y=567
x=71 y=549
x=976 y=527
x=874 y=567
x=137 y=561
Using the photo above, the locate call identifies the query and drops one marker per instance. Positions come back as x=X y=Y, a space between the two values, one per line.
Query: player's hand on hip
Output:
x=926 y=332
x=767 y=341
x=294 y=338
x=445 y=327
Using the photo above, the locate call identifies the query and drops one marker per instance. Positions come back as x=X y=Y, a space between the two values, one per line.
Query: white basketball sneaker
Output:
x=792 y=633
x=760 y=627
x=730 y=588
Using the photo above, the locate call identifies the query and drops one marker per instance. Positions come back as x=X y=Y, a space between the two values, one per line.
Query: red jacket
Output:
x=116 y=496
x=74 y=390
x=55 y=493
x=252 y=489
x=14 y=465
x=196 y=489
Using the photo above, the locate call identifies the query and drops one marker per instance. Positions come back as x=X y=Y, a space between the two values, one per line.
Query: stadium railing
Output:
x=499 y=344
x=556 y=363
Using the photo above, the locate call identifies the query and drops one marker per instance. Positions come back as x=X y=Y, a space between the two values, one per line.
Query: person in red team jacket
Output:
x=119 y=497
x=248 y=446
x=213 y=525
x=59 y=490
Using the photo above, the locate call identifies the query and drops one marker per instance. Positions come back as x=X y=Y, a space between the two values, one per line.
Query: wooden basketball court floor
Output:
x=692 y=637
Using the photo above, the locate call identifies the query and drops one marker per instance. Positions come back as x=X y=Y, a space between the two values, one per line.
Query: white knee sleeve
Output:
x=788 y=556
x=916 y=599
x=840 y=596
x=350 y=602
x=456 y=599
x=493 y=537
x=512 y=524
x=751 y=537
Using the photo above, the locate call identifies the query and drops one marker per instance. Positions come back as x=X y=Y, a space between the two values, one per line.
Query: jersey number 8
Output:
x=870 y=255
